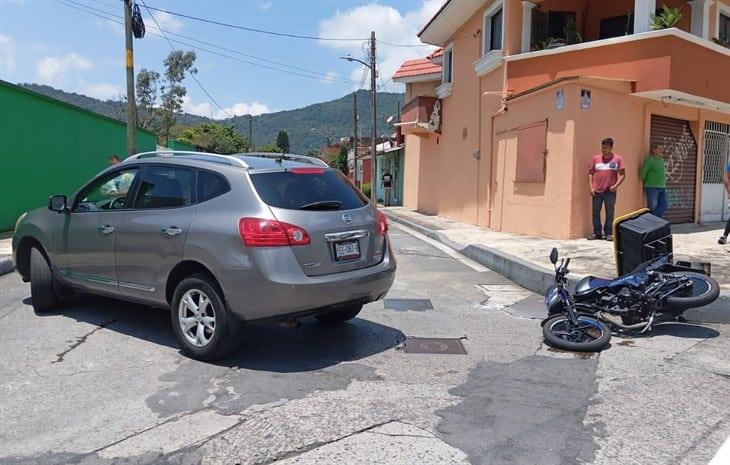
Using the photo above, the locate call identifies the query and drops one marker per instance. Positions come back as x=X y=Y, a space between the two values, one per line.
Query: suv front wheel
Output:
x=42 y=286
x=203 y=325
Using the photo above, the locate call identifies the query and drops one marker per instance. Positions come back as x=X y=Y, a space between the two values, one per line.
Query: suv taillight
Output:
x=257 y=232
x=382 y=224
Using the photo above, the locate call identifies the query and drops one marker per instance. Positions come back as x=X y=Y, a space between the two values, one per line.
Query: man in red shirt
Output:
x=605 y=175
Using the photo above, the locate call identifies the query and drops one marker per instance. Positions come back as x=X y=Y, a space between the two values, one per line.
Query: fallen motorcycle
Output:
x=656 y=289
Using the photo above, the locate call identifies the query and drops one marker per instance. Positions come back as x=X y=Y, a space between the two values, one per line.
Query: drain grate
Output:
x=434 y=345
x=402 y=305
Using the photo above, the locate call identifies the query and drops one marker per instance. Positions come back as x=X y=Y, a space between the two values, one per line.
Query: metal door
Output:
x=150 y=239
x=680 y=157
x=716 y=155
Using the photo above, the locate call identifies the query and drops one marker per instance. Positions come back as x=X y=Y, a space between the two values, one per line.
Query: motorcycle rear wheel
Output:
x=590 y=335
x=704 y=291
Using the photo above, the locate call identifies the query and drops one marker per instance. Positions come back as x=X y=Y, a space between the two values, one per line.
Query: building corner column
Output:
x=643 y=9
x=527 y=7
x=701 y=18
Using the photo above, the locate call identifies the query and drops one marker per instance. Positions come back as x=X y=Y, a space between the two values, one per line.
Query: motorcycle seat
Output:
x=589 y=284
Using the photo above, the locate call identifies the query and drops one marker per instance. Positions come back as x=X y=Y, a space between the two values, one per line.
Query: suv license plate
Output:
x=347 y=250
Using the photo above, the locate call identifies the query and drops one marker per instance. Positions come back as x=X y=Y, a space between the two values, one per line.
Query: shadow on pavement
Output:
x=311 y=346
x=683 y=330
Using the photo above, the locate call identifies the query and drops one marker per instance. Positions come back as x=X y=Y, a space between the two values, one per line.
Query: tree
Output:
x=340 y=161
x=148 y=83
x=215 y=138
x=177 y=64
x=270 y=148
x=282 y=141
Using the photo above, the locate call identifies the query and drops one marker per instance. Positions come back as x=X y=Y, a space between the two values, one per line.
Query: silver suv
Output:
x=219 y=240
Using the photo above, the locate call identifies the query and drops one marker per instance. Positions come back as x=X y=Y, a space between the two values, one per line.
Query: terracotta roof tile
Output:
x=419 y=67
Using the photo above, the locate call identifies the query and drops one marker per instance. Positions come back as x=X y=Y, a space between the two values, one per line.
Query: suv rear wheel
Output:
x=339 y=316
x=42 y=289
x=203 y=325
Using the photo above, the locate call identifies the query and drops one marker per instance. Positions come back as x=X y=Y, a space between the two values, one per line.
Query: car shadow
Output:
x=270 y=347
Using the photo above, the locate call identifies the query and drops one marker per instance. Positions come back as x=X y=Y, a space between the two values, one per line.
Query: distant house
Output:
x=51 y=147
x=501 y=121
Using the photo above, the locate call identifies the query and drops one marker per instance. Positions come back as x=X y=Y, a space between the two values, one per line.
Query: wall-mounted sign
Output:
x=585 y=99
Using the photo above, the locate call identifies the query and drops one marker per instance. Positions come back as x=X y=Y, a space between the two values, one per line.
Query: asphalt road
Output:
x=102 y=382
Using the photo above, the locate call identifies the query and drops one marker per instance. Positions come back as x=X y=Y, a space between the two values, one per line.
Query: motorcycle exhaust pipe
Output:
x=635 y=327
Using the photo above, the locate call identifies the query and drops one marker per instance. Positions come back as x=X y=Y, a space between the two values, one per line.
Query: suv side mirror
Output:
x=57 y=203
x=554 y=256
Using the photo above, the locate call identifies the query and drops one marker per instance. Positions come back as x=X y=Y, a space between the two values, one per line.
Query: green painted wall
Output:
x=50 y=147
x=175 y=144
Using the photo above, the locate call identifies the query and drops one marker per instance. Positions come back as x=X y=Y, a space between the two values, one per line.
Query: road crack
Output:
x=318 y=444
x=80 y=340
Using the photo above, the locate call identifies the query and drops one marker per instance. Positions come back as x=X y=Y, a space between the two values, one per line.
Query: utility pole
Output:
x=354 y=130
x=373 y=91
x=250 y=133
x=131 y=103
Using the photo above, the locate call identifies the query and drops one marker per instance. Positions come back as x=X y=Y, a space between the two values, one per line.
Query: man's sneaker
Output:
x=609 y=238
x=595 y=237
x=722 y=240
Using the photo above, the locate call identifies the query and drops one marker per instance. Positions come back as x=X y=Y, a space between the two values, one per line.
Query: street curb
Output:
x=6 y=266
x=528 y=275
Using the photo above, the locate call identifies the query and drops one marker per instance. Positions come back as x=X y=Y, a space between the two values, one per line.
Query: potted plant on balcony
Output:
x=669 y=17
x=572 y=36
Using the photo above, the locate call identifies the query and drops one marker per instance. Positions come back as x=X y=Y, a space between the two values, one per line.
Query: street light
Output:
x=373 y=94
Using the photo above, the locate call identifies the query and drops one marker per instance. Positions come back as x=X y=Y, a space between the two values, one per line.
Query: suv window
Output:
x=210 y=185
x=165 y=187
x=308 y=189
x=107 y=193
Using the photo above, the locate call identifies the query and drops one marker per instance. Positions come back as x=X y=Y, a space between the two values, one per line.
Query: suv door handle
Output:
x=171 y=231
x=106 y=229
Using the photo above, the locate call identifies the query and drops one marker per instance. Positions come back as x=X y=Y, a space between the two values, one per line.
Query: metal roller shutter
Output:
x=680 y=155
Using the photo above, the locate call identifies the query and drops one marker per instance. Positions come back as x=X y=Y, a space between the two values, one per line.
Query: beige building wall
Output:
x=418 y=89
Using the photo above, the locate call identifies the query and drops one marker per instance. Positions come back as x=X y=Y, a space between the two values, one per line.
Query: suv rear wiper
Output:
x=322 y=205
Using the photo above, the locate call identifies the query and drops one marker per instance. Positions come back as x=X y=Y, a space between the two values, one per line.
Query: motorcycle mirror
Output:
x=554 y=256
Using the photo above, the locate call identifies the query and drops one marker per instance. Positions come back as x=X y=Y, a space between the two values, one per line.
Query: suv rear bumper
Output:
x=289 y=294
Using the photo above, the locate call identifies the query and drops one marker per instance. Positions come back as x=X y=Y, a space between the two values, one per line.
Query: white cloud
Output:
x=167 y=22
x=390 y=26
x=330 y=76
x=265 y=6
x=237 y=109
x=52 y=69
x=8 y=52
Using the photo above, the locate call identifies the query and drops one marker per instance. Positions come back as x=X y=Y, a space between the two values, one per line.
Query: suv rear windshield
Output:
x=308 y=189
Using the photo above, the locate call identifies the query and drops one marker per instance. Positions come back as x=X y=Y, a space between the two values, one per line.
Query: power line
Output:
x=192 y=75
x=114 y=19
x=255 y=57
x=403 y=45
x=252 y=29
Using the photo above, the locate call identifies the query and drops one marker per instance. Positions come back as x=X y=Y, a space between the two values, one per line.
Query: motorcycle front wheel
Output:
x=588 y=335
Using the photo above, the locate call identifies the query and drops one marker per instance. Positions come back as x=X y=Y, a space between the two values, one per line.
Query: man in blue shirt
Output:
x=726 y=180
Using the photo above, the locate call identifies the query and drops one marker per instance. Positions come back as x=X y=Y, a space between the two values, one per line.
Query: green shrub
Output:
x=366 y=189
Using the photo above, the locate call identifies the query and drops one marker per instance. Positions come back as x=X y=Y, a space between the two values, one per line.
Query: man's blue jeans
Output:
x=657 y=200
x=599 y=199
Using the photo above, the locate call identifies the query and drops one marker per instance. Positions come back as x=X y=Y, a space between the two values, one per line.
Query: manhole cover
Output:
x=433 y=345
x=408 y=304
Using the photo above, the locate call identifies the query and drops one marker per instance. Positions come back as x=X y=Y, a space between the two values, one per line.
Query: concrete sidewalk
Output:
x=6 y=262
x=524 y=259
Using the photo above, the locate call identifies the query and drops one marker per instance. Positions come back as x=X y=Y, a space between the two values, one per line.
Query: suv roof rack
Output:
x=288 y=157
x=216 y=157
x=229 y=159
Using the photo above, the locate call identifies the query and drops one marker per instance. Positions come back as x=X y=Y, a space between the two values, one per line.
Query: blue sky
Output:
x=54 y=42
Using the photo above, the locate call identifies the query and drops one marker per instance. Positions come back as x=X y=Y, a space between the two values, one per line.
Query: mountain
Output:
x=308 y=127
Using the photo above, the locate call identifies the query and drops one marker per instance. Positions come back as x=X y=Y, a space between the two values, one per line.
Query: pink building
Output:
x=501 y=122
